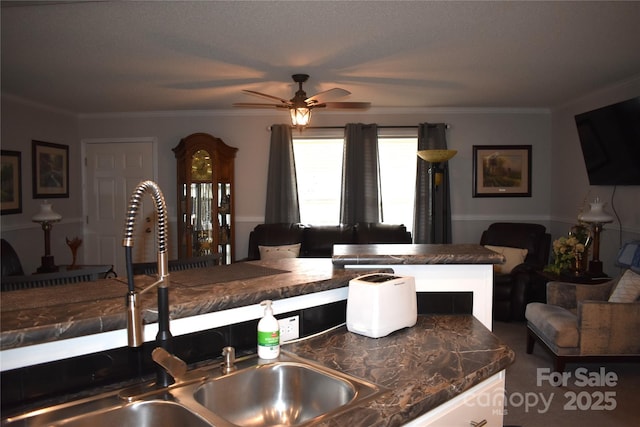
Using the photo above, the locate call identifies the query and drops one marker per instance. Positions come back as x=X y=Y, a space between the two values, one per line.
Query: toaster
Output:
x=381 y=303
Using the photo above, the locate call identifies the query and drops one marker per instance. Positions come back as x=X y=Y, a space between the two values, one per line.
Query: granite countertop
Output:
x=386 y=254
x=35 y=316
x=420 y=368
x=424 y=366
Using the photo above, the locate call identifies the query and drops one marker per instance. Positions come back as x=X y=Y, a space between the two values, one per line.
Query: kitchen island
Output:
x=435 y=267
x=46 y=324
x=447 y=370
x=424 y=367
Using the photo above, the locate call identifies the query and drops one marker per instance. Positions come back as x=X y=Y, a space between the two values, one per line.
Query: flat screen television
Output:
x=610 y=141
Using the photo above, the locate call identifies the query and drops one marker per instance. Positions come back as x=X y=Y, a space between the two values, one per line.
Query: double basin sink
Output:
x=288 y=391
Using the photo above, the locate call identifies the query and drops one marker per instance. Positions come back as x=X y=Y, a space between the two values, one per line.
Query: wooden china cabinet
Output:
x=205 y=197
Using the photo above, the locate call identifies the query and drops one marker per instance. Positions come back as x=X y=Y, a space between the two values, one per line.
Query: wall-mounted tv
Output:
x=610 y=141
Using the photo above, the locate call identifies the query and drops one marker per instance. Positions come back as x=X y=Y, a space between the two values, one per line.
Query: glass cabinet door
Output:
x=201 y=224
x=224 y=221
x=201 y=202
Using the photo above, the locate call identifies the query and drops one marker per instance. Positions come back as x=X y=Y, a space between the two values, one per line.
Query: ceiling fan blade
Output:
x=327 y=95
x=264 y=95
x=319 y=100
x=353 y=105
x=254 y=105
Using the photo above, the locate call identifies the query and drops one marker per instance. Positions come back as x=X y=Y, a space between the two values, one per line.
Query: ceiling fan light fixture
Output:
x=300 y=105
x=300 y=117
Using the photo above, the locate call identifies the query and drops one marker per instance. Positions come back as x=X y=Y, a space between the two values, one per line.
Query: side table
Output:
x=541 y=278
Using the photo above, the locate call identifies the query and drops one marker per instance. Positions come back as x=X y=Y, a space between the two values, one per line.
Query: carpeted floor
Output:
x=588 y=399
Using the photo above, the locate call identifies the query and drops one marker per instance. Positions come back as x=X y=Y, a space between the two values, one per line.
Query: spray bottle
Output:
x=268 y=333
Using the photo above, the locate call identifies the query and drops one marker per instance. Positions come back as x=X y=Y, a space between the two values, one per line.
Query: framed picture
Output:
x=501 y=171
x=50 y=170
x=11 y=199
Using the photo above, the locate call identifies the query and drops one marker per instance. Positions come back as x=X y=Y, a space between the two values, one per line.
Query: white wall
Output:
x=247 y=130
x=570 y=184
x=21 y=123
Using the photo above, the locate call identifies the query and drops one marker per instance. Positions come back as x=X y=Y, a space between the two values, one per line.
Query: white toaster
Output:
x=380 y=303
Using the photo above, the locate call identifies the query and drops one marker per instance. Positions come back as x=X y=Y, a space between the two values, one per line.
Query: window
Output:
x=398 y=179
x=319 y=174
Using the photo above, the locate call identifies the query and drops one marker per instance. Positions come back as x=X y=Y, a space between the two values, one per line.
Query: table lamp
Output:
x=596 y=217
x=46 y=217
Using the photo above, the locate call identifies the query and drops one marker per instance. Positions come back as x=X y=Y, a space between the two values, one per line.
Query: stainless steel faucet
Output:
x=134 y=316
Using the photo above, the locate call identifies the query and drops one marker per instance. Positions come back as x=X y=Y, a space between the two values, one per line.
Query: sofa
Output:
x=316 y=241
x=526 y=249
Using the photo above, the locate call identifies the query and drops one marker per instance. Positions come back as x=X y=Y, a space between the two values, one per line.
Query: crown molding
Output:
x=400 y=111
x=34 y=104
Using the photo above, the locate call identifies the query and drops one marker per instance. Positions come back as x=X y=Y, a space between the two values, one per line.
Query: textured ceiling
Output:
x=95 y=56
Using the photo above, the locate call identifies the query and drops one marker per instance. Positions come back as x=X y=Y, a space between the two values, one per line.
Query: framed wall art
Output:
x=11 y=198
x=502 y=171
x=50 y=170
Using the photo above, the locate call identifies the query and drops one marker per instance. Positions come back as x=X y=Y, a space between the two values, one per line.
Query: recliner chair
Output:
x=11 y=265
x=512 y=290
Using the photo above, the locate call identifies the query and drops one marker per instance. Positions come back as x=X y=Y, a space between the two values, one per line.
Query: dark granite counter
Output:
x=35 y=316
x=423 y=366
x=385 y=254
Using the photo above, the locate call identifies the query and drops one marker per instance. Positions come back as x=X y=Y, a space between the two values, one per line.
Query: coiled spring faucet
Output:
x=134 y=316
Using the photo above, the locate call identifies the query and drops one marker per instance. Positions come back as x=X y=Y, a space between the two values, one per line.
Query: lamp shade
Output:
x=436 y=156
x=596 y=215
x=46 y=214
x=300 y=116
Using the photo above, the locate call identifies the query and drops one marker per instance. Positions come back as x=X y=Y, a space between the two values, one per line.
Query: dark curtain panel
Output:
x=282 y=187
x=360 y=198
x=428 y=226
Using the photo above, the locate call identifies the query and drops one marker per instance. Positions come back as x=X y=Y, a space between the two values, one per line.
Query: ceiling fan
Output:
x=300 y=105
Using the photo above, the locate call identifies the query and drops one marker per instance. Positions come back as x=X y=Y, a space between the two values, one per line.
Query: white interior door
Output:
x=113 y=169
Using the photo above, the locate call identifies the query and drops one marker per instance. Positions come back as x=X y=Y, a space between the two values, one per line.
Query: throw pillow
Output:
x=513 y=257
x=279 y=252
x=627 y=289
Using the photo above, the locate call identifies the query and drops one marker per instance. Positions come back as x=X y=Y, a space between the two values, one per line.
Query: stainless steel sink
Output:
x=277 y=394
x=139 y=414
x=288 y=391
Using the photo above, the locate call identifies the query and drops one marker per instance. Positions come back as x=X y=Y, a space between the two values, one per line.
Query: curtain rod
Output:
x=447 y=126
x=379 y=127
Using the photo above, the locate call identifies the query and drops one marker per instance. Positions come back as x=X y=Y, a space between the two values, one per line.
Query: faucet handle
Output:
x=175 y=366
x=229 y=364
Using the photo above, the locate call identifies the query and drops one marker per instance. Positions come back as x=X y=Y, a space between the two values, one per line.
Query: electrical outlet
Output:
x=289 y=328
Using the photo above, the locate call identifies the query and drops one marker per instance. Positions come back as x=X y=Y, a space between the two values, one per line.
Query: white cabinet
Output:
x=482 y=403
x=474 y=278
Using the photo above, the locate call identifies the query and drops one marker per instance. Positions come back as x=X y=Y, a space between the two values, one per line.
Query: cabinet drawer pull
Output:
x=478 y=423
